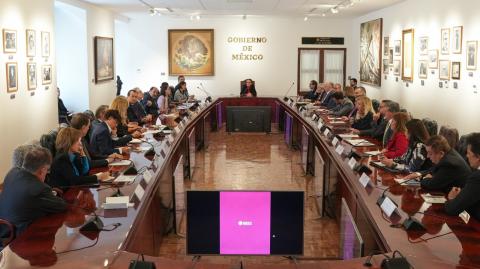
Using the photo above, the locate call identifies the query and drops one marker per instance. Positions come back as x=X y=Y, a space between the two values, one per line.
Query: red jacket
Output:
x=397 y=145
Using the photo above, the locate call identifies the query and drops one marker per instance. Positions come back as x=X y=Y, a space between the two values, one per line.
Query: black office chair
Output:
x=451 y=134
x=5 y=241
x=462 y=146
x=431 y=125
x=48 y=141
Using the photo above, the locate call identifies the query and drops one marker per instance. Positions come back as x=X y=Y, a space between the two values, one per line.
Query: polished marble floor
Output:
x=256 y=162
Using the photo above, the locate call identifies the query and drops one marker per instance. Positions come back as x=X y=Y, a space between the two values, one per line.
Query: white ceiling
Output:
x=249 y=7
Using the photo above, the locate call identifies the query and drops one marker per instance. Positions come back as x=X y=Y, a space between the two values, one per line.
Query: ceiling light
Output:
x=305 y=19
x=197 y=17
x=191 y=18
x=323 y=15
x=334 y=10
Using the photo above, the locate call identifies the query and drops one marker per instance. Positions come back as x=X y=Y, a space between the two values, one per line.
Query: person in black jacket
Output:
x=81 y=122
x=150 y=101
x=468 y=198
x=363 y=115
x=314 y=92
x=62 y=109
x=70 y=166
x=25 y=197
x=449 y=170
x=248 y=90
x=101 y=142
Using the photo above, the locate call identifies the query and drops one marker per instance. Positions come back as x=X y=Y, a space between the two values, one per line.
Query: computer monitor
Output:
x=245 y=223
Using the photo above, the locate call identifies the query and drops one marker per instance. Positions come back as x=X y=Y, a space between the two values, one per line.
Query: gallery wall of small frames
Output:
x=432 y=61
x=35 y=51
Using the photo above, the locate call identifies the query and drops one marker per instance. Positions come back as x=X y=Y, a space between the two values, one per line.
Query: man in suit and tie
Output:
x=380 y=121
x=135 y=111
x=101 y=142
x=327 y=100
x=25 y=196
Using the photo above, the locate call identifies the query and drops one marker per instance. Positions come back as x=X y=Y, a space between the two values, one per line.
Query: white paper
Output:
x=335 y=141
x=364 y=180
x=402 y=181
x=124 y=178
x=464 y=216
x=339 y=149
x=147 y=175
x=379 y=164
x=348 y=135
x=388 y=206
x=170 y=139
x=136 y=141
x=314 y=117
x=320 y=125
x=152 y=132
x=167 y=131
x=326 y=132
x=372 y=153
x=433 y=199
x=116 y=202
x=120 y=163
x=352 y=162
x=359 y=142
x=139 y=192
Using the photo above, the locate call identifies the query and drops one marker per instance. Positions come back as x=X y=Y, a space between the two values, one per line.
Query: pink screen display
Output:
x=245 y=223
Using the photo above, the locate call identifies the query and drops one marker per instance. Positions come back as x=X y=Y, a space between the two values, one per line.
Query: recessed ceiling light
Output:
x=334 y=10
x=197 y=17
x=306 y=18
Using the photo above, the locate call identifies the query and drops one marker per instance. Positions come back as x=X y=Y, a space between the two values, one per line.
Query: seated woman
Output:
x=163 y=101
x=363 y=115
x=398 y=144
x=314 y=92
x=181 y=95
x=70 y=166
x=467 y=198
x=125 y=130
x=449 y=168
x=415 y=159
x=248 y=90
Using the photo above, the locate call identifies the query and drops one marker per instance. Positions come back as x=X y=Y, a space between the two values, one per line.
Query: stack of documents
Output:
x=359 y=142
x=117 y=202
x=433 y=199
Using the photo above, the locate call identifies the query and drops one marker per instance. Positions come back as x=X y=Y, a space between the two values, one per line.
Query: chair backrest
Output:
x=431 y=125
x=48 y=141
x=5 y=241
x=462 y=146
x=242 y=83
x=451 y=134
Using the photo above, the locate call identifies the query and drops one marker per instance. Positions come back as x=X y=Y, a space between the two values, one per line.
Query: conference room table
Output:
x=157 y=197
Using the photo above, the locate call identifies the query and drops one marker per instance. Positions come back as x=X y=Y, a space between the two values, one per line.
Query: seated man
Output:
x=101 y=142
x=327 y=100
x=468 y=198
x=449 y=170
x=343 y=107
x=248 y=90
x=150 y=101
x=135 y=111
x=25 y=197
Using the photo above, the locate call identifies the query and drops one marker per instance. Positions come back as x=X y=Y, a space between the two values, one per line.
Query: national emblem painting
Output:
x=371 y=52
x=103 y=58
x=191 y=52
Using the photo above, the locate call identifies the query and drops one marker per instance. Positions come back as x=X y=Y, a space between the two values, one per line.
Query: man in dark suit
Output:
x=101 y=142
x=181 y=78
x=135 y=111
x=449 y=170
x=467 y=198
x=150 y=101
x=380 y=126
x=25 y=196
x=327 y=100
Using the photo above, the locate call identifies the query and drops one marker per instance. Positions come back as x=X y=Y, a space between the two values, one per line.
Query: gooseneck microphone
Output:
x=209 y=96
x=286 y=94
x=382 y=197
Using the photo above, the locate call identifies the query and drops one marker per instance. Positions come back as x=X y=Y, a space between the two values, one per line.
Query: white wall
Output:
x=142 y=51
x=26 y=117
x=100 y=22
x=455 y=107
x=72 y=59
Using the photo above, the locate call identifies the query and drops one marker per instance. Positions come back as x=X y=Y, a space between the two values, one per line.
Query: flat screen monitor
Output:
x=245 y=223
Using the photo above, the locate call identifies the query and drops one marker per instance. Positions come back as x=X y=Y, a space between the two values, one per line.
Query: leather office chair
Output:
x=451 y=134
x=462 y=146
x=5 y=241
x=48 y=141
x=431 y=125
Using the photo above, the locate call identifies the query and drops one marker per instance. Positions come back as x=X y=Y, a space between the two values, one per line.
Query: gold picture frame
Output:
x=32 y=76
x=371 y=36
x=103 y=59
x=197 y=63
x=423 y=69
x=445 y=41
x=457 y=38
x=408 y=47
x=471 y=51
x=12 y=77
x=31 y=42
x=45 y=36
x=46 y=74
x=9 y=41
x=433 y=59
x=444 y=69
x=456 y=70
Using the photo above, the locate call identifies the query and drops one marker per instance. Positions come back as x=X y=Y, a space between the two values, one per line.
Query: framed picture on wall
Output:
x=445 y=41
x=424 y=45
x=371 y=52
x=457 y=35
x=386 y=45
x=396 y=67
x=390 y=56
x=32 y=76
x=433 y=59
x=398 y=47
x=9 y=41
x=45 y=44
x=423 y=69
x=408 y=37
x=444 y=72
x=12 y=77
x=46 y=74
x=31 y=43
x=103 y=58
x=386 y=66
x=455 y=70
x=472 y=55
x=191 y=52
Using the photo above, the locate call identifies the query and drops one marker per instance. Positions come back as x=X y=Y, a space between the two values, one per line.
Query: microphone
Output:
x=382 y=197
x=209 y=96
x=286 y=94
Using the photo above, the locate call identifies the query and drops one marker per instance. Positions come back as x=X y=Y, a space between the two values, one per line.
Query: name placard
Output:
x=364 y=180
x=340 y=149
x=147 y=175
x=388 y=206
x=139 y=192
x=352 y=162
x=335 y=141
